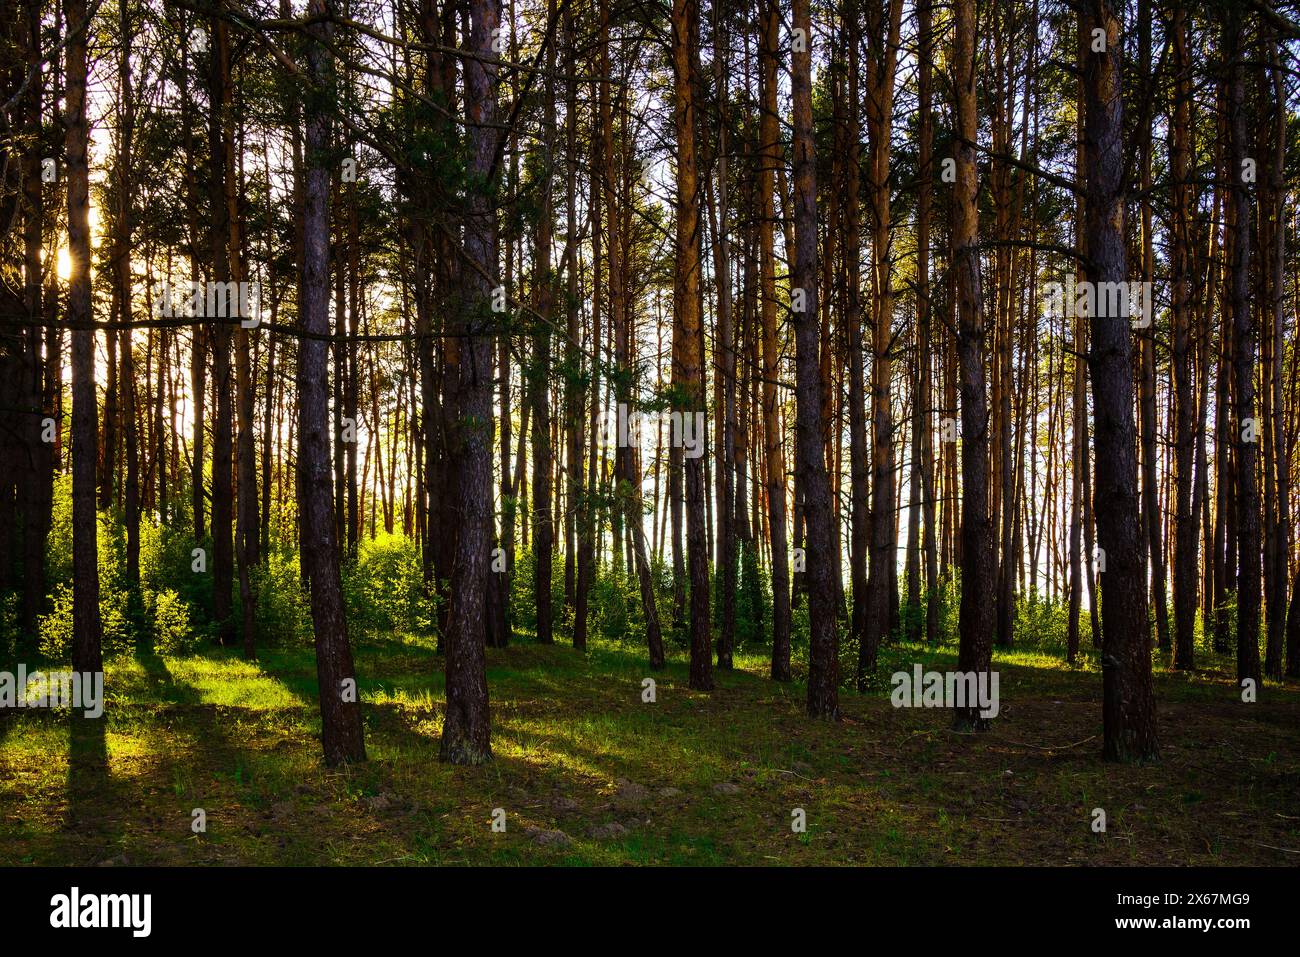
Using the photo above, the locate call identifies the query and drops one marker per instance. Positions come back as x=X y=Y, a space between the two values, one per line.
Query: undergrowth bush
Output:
x=383 y=587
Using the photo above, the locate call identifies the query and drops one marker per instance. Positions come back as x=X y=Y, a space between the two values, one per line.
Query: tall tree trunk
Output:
x=586 y=518
x=882 y=26
x=247 y=533
x=221 y=99
x=1129 y=697
x=823 y=651
x=1185 y=547
x=122 y=295
x=466 y=735
x=572 y=392
x=35 y=490
x=977 y=613
x=688 y=365
x=1280 y=516
x=773 y=446
x=924 y=415
x=860 y=518
x=627 y=471
x=1245 y=335
x=725 y=361
x=86 y=627
x=341 y=730
x=540 y=391
x=1147 y=393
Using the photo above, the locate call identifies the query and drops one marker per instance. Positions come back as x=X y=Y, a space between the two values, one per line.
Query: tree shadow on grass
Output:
x=92 y=802
x=8 y=721
x=162 y=684
x=142 y=813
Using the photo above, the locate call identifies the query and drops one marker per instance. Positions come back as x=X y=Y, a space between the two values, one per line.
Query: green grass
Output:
x=693 y=778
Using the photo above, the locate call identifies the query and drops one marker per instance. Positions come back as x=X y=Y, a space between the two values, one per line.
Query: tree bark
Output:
x=221 y=99
x=725 y=360
x=1245 y=335
x=87 y=628
x=1129 y=698
x=341 y=730
x=976 y=619
x=860 y=466
x=924 y=449
x=688 y=367
x=883 y=27
x=823 y=651
x=1185 y=545
x=773 y=446
x=36 y=490
x=466 y=735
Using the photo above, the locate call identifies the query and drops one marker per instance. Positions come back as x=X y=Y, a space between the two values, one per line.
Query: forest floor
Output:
x=588 y=773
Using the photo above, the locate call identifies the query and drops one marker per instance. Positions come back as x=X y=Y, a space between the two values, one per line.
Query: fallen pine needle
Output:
x=1284 y=850
x=1050 y=747
x=795 y=773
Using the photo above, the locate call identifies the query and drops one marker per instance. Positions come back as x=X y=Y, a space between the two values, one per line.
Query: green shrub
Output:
x=523 y=600
x=10 y=629
x=172 y=633
x=383 y=587
x=615 y=607
x=283 y=607
x=167 y=564
x=119 y=623
x=56 y=626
